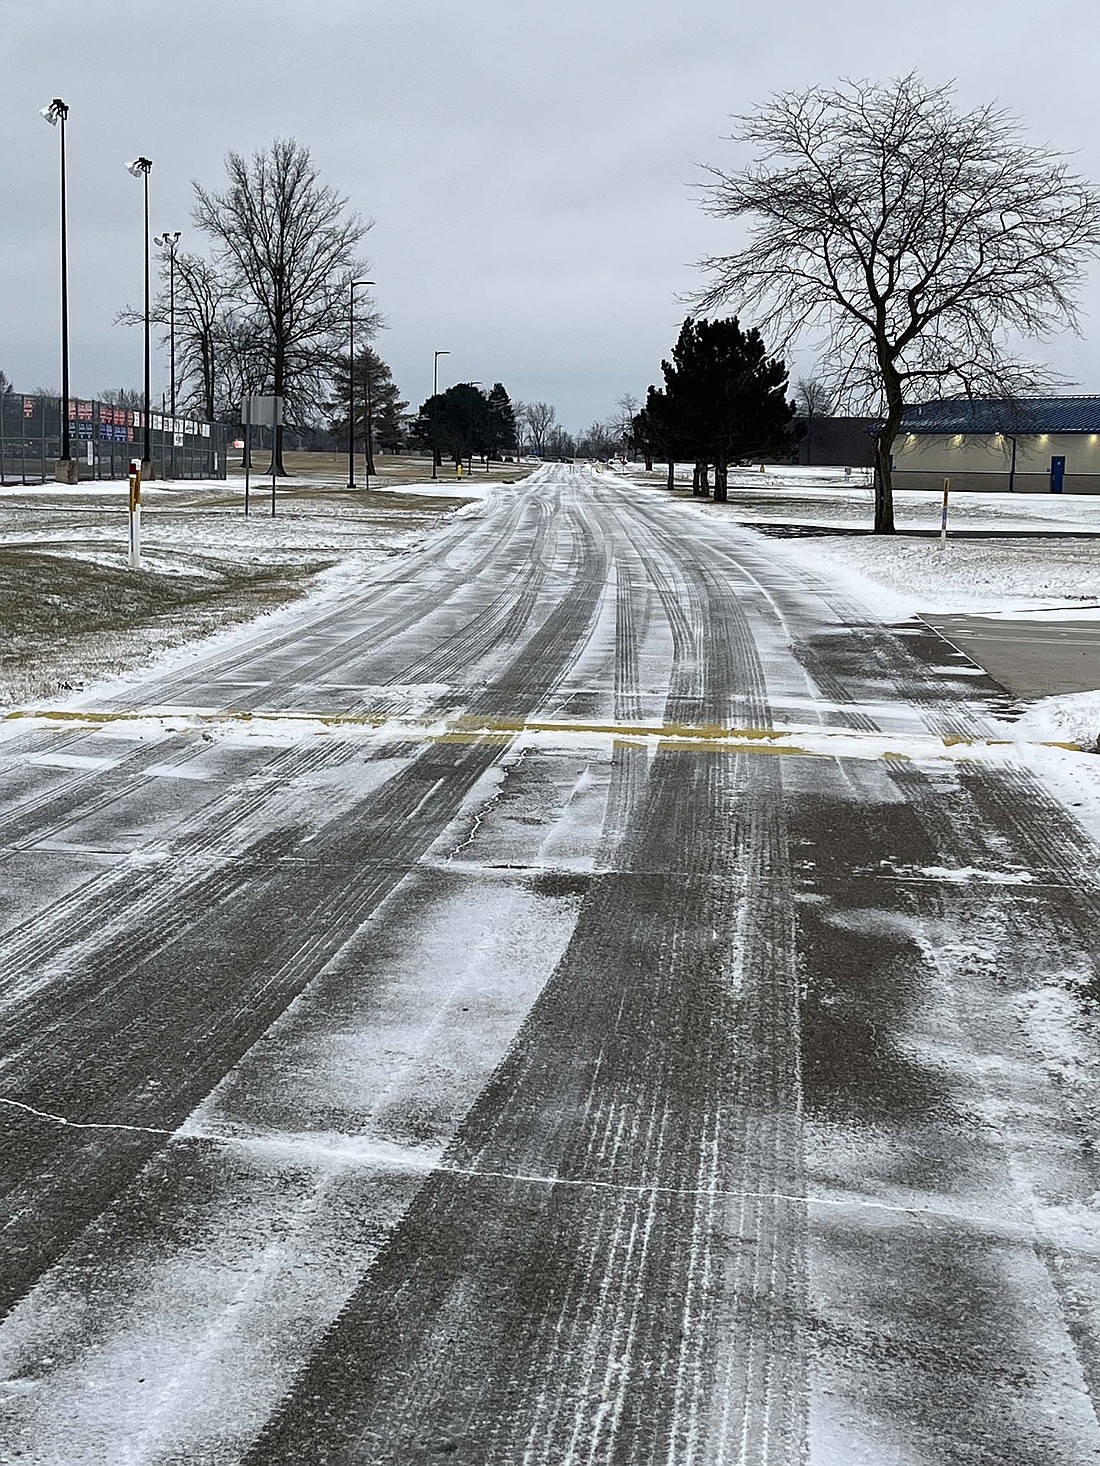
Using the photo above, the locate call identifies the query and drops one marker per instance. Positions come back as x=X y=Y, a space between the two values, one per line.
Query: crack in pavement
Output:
x=83 y=1124
x=387 y=1159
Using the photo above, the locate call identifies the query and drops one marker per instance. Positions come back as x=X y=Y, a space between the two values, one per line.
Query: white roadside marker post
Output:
x=135 y=515
x=943 y=517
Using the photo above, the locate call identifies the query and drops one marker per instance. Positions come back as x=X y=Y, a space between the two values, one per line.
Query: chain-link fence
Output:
x=102 y=441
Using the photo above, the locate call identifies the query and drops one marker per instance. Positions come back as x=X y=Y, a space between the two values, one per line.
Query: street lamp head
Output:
x=56 y=112
x=168 y=241
x=139 y=166
x=356 y=283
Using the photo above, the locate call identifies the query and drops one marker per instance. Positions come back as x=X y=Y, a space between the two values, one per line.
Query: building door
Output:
x=1057 y=474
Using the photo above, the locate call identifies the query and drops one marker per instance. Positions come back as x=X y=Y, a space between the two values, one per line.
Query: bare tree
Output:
x=132 y=397
x=918 y=239
x=540 y=417
x=599 y=440
x=628 y=406
x=208 y=333
x=813 y=397
x=290 y=248
x=519 y=412
x=560 y=443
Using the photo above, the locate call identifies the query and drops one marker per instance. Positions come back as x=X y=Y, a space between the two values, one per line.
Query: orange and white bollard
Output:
x=135 y=515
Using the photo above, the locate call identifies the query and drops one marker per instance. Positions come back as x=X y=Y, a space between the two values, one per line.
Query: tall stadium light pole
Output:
x=58 y=112
x=169 y=241
x=352 y=284
x=141 y=168
x=435 y=394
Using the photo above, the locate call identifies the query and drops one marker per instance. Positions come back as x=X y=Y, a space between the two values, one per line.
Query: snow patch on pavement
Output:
x=961 y=874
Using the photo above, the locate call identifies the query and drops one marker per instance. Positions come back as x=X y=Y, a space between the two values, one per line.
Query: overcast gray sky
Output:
x=532 y=169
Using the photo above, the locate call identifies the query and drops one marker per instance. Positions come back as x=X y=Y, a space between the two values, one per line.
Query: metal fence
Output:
x=103 y=439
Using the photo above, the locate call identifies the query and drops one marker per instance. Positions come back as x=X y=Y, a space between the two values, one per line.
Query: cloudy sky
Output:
x=532 y=170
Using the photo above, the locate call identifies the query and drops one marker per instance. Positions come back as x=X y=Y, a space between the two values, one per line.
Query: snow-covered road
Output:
x=588 y=993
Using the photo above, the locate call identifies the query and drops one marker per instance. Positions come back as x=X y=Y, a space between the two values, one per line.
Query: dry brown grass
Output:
x=393 y=470
x=65 y=621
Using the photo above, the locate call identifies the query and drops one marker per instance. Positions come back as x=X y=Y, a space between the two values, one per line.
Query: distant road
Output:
x=447 y=1070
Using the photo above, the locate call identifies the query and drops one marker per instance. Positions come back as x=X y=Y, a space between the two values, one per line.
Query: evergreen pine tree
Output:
x=728 y=397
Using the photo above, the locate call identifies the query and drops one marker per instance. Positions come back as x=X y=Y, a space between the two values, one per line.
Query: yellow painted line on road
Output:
x=807 y=742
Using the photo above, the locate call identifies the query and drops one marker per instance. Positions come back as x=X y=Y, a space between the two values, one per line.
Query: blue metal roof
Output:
x=1021 y=415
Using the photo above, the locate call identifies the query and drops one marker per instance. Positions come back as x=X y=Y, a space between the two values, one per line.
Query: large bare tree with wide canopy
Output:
x=288 y=246
x=923 y=244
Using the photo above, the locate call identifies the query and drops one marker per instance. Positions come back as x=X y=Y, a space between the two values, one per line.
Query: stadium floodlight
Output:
x=58 y=111
x=140 y=168
x=169 y=241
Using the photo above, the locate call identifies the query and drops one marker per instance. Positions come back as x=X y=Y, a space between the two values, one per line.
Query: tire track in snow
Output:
x=376 y=623
x=151 y=1048
x=149 y=897
x=48 y=811
x=646 y=1059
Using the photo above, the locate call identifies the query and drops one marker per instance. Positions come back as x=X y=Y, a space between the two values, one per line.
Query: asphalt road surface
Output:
x=627 y=1007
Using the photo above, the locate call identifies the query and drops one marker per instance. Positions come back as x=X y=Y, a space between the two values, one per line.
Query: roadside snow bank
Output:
x=1071 y=719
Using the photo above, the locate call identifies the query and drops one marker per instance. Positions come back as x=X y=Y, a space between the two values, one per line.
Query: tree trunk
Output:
x=884 y=443
x=277 y=465
x=704 y=478
x=721 y=494
x=671 y=475
x=649 y=460
x=884 y=481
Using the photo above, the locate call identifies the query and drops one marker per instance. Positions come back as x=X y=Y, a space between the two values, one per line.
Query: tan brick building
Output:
x=1035 y=445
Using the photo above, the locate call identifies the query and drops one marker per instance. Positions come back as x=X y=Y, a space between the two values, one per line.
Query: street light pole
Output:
x=65 y=472
x=141 y=168
x=369 y=445
x=470 y=424
x=351 y=381
x=435 y=394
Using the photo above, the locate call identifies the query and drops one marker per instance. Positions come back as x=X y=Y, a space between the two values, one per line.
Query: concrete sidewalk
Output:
x=1030 y=657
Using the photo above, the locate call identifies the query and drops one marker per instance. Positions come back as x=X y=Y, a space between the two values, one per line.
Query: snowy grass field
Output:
x=71 y=611
x=1003 y=555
